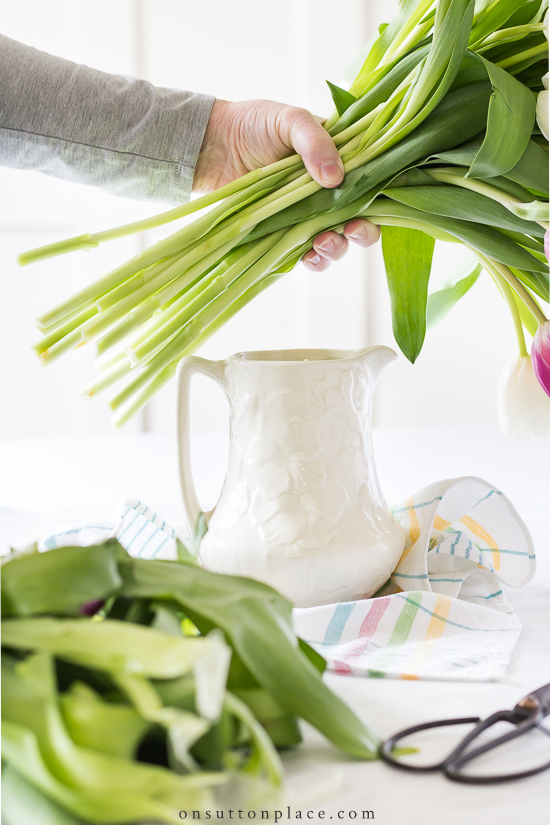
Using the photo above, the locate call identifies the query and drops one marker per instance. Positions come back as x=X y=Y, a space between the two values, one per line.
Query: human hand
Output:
x=245 y=135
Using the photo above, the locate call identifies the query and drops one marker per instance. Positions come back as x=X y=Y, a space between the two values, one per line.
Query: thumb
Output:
x=306 y=135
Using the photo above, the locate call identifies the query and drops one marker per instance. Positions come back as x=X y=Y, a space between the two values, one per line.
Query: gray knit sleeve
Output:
x=122 y=134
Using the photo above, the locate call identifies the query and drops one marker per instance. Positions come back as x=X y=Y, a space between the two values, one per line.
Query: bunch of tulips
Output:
x=440 y=140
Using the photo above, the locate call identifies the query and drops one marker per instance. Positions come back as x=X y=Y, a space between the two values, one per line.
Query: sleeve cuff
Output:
x=176 y=136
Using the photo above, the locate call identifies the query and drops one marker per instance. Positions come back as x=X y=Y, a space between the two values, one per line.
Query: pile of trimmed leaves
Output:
x=134 y=689
x=439 y=140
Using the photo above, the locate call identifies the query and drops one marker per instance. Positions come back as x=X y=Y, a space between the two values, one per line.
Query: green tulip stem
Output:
x=508 y=295
x=521 y=291
x=541 y=49
x=536 y=211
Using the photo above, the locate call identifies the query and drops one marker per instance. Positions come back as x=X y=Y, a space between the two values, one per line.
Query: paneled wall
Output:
x=239 y=50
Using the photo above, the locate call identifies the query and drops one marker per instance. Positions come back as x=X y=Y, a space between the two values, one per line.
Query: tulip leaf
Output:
x=528 y=12
x=530 y=171
x=408 y=259
x=455 y=202
x=499 y=245
x=537 y=281
x=109 y=645
x=401 y=19
x=438 y=72
x=459 y=282
x=88 y=716
x=459 y=117
x=342 y=99
x=257 y=622
x=492 y=19
x=24 y=804
x=509 y=124
x=59 y=581
x=98 y=786
x=387 y=81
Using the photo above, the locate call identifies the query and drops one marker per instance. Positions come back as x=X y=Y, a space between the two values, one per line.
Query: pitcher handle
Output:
x=187 y=367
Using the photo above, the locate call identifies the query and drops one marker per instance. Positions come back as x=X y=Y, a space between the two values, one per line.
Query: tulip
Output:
x=542 y=108
x=523 y=408
x=540 y=356
x=92 y=607
x=542 y=99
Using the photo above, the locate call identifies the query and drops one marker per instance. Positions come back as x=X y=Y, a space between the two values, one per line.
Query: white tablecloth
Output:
x=48 y=485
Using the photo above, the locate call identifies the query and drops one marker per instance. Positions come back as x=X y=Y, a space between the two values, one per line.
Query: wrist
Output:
x=213 y=146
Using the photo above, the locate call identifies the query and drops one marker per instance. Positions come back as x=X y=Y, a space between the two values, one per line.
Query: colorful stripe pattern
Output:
x=139 y=529
x=443 y=614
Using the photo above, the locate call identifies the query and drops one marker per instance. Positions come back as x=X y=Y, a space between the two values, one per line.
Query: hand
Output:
x=246 y=135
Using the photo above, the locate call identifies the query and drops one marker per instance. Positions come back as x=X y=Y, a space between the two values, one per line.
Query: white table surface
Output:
x=48 y=485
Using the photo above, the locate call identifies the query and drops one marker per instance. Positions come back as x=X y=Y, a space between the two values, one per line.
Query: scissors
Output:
x=528 y=714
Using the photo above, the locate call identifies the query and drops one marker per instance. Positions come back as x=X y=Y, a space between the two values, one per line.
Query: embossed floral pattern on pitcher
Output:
x=301 y=507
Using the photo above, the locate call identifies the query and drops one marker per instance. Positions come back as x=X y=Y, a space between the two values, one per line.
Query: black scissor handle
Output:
x=387 y=747
x=452 y=766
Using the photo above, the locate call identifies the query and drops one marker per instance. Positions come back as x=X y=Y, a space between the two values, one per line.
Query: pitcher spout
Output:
x=377 y=358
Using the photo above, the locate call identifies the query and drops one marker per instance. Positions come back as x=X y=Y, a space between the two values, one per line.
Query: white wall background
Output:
x=238 y=50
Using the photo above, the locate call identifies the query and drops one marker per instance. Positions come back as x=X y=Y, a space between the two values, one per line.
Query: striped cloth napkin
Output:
x=442 y=615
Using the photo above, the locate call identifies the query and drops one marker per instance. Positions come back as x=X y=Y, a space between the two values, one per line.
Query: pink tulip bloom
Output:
x=540 y=356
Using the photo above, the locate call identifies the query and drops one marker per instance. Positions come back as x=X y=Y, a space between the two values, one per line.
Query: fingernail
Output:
x=360 y=234
x=331 y=173
x=326 y=246
x=315 y=259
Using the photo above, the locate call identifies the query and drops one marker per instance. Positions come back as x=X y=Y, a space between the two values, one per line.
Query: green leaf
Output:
x=537 y=281
x=387 y=82
x=107 y=645
x=533 y=47
x=88 y=717
x=492 y=19
x=487 y=239
x=456 y=202
x=398 y=752
x=313 y=656
x=257 y=622
x=531 y=171
x=281 y=725
x=439 y=70
x=408 y=260
x=509 y=124
x=461 y=115
x=460 y=281
x=341 y=98
x=183 y=728
x=60 y=581
x=402 y=22
x=528 y=12
x=97 y=803
x=23 y=804
x=263 y=758
x=99 y=787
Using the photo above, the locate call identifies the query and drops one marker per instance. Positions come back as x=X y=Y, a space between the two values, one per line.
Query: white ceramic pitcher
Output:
x=301 y=507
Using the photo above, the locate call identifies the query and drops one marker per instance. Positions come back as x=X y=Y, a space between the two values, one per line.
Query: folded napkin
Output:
x=442 y=615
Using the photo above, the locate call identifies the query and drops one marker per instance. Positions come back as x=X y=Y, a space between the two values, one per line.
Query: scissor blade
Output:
x=537 y=700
